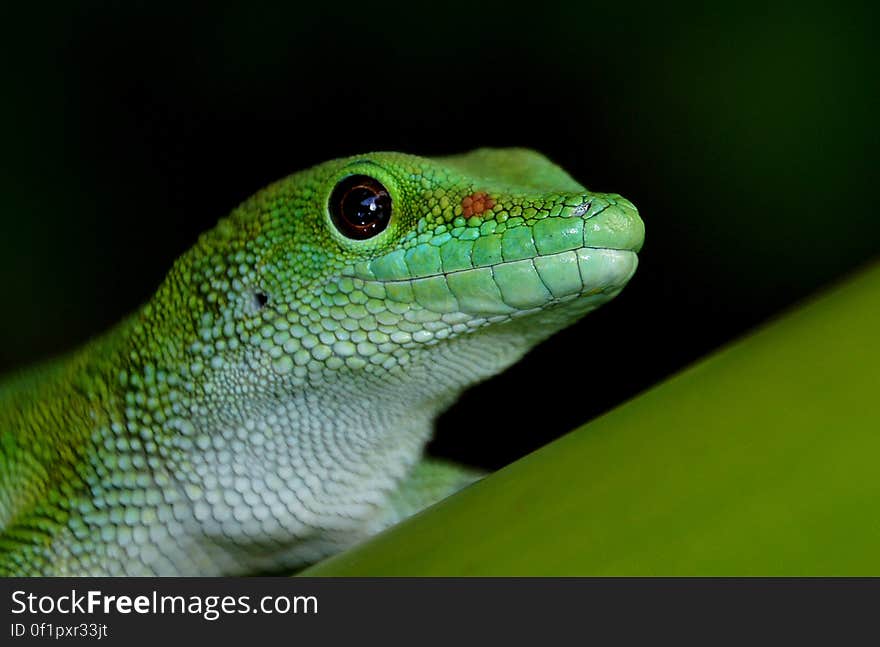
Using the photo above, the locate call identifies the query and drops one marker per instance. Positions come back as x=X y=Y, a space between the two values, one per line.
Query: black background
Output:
x=745 y=134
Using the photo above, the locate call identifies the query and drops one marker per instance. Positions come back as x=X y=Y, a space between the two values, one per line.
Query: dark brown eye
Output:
x=360 y=207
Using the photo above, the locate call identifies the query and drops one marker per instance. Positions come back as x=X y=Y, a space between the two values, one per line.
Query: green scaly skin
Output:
x=270 y=404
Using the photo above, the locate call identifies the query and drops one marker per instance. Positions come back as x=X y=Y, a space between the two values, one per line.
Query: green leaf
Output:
x=759 y=460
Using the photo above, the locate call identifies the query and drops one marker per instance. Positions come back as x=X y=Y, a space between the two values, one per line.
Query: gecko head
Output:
x=322 y=326
x=376 y=257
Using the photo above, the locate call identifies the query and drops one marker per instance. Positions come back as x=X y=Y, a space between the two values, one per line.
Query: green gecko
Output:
x=270 y=404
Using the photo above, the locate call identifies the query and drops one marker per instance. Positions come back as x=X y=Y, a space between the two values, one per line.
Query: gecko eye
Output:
x=360 y=207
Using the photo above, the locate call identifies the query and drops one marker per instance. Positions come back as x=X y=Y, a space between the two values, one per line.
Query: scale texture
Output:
x=269 y=405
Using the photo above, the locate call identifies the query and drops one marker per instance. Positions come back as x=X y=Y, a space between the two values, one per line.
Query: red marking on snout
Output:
x=476 y=204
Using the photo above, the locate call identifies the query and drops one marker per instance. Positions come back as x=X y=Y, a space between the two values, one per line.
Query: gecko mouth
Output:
x=555 y=260
x=520 y=286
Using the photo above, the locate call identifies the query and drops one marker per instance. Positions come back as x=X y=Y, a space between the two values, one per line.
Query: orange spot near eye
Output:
x=476 y=204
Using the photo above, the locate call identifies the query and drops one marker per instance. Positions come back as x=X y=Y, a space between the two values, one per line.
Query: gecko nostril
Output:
x=582 y=209
x=260 y=299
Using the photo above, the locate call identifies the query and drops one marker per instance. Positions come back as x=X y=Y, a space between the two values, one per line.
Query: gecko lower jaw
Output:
x=511 y=287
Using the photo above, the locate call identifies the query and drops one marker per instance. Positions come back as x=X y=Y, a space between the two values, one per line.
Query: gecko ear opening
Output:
x=254 y=300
